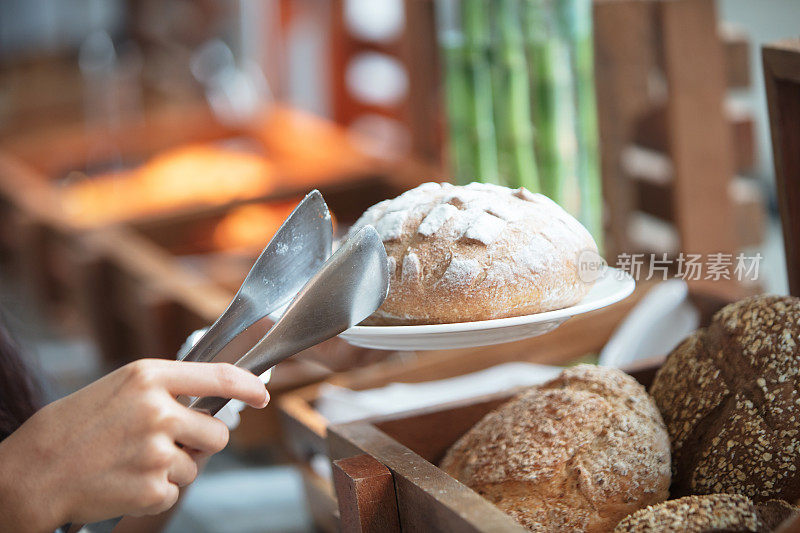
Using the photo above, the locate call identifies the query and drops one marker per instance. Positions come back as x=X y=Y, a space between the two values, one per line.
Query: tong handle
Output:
x=266 y=355
x=234 y=321
x=209 y=404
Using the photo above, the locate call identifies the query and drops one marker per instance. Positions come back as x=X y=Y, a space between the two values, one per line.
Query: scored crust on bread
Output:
x=707 y=514
x=730 y=398
x=477 y=252
x=578 y=453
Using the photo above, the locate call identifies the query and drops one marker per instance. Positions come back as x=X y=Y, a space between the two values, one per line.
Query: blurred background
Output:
x=150 y=148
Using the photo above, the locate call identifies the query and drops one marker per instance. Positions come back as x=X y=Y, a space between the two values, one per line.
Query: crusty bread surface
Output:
x=578 y=453
x=476 y=252
x=711 y=513
x=730 y=398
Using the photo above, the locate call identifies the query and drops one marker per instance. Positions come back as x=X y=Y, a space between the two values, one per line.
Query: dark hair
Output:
x=19 y=393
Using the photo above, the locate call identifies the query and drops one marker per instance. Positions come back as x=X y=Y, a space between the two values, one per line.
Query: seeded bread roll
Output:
x=707 y=514
x=729 y=397
x=578 y=453
x=476 y=252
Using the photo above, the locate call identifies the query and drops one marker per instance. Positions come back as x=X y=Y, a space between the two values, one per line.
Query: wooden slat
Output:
x=70 y=147
x=782 y=59
x=743 y=135
x=30 y=256
x=737 y=57
x=623 y=62
x=259 y=433
x=366 y=496
x=321 y=499
x=652 y=132
x=699 y=138
x=421 y=56
x=651 y=176
x=782 y=81
x=146 y=261
x=447 y=422
x=303 y=427
x=428 y=499
x=158 y=322
x=344 y=47
x=94 y=274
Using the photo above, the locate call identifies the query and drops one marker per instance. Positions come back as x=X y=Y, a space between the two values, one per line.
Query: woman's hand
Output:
x=121 y=445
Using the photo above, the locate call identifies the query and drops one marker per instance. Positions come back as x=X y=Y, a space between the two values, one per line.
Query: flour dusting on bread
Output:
x=477 y=252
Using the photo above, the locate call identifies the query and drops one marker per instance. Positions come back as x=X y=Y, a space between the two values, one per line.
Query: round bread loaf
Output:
x=476 y=252
x=578 y=453
x=729 y=398
x=707 y=514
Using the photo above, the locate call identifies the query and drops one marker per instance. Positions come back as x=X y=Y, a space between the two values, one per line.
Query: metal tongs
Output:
x=333 y=293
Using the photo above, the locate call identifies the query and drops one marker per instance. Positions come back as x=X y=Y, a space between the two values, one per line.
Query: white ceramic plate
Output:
x=611 y=287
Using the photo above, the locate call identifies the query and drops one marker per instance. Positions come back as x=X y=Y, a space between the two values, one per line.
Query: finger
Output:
x=153 y=496
x=182 y=470
x=201 y=432
x=170 y=498
x=211 y=379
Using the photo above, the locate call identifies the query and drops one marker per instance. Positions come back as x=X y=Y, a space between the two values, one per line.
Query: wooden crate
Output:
x=387 y=479
x=408 y=448
x=306 y=430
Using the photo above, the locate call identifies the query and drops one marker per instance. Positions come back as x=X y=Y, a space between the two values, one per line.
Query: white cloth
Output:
x=230 y=413
x=640 y=335
x=338 y=404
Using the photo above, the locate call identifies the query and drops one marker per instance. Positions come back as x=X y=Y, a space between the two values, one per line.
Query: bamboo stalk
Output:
x=457 y=90
x=579 y=21
x=477 y=40
x=566 y=115
x=547 y=76
x=512 y=103
x=458 y=106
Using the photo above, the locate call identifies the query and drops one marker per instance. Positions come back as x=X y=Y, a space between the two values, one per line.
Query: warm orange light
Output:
x=249 y=228
x=308 y=148
x=185 y=176
x=300 y=150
